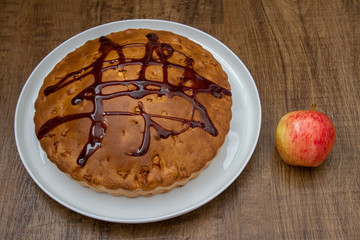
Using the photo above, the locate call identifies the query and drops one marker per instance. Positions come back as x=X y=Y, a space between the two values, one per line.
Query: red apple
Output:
x=305 y=138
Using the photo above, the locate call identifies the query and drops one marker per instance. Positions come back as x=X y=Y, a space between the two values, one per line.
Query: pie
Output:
x=134 y=113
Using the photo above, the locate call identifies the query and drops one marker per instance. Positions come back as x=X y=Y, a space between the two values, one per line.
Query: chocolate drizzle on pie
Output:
x=190 y=82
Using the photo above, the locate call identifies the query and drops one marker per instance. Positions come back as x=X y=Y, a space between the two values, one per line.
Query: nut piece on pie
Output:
x=134 y=113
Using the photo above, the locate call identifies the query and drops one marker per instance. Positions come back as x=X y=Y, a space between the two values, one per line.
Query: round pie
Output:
x=135 y=113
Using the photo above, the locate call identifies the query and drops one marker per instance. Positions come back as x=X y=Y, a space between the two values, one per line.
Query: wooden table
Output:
x=298 y=52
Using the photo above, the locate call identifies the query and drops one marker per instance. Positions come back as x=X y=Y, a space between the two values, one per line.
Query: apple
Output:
x=305 y=138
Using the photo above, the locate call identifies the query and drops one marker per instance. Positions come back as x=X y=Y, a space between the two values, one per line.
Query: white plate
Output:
x=225 y=168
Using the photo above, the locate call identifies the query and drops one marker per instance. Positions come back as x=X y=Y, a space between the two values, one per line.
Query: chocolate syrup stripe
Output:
x=198 y=84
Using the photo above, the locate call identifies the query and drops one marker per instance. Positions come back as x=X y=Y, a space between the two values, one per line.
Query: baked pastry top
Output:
x=136 y=112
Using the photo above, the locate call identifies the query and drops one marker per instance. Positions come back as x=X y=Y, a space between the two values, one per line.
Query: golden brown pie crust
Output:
x=170 y=161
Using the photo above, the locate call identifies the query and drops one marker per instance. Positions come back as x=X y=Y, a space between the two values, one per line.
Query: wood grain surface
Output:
x=298 y=52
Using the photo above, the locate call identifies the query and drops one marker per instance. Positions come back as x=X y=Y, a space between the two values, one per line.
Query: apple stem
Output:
x=312 y=107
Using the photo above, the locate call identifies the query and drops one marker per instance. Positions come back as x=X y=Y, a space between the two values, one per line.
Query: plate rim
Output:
x=152 y=219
